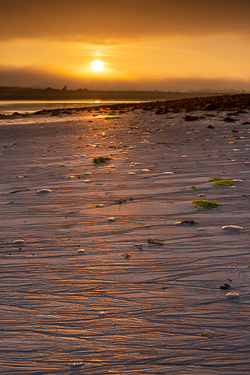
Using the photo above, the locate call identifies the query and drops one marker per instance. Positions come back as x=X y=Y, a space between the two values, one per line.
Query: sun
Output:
x=97 y=65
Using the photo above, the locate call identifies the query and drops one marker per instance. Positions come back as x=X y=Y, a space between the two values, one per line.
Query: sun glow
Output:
x=97 y=65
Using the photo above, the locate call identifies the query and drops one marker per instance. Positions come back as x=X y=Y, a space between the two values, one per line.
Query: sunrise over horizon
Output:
x=144 y=45
x=124 y=187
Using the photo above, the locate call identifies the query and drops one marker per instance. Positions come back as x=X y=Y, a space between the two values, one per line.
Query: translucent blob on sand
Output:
x=43 y=191
x=81 y=251
x=232 y=295
x=232 y=228
x=18 y=242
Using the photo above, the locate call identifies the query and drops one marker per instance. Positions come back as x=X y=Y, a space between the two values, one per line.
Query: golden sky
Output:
x=150 y=45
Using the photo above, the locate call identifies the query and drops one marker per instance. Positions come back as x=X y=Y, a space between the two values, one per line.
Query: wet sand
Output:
x=86 y=292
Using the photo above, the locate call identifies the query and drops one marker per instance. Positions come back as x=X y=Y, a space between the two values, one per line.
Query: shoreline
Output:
x=210 y=103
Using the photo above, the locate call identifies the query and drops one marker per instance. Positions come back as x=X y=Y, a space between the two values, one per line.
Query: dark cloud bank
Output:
x=118 y=20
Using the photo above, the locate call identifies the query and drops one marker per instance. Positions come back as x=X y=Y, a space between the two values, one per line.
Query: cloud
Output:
x=30 y=77
x=112 y=21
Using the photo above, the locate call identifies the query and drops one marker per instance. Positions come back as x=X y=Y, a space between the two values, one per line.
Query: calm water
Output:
x=28 y=106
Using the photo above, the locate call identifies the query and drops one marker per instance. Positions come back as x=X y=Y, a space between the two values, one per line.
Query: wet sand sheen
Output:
x=123 y=304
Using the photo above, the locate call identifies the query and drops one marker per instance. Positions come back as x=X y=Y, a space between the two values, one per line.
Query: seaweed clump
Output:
x=155 y=242
x=204 y=204
x=101 y=159
x=217 y=181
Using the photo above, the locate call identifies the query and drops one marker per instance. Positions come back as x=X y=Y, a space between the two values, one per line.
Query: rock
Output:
x=76 y=365
x=44 y=191
x=229 y=119
x=225 y=286
x=111 y=219
x=210 y=127
x=210 y=107
x=232 y=228
x=191 y=118
x=167 y=173
x=192 y=222
x=232 y=295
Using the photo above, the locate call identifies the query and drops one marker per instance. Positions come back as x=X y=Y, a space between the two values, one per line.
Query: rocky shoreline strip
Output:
x=218 y=103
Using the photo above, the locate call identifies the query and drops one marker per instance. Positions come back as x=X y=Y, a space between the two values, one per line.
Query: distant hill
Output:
x=26 y=93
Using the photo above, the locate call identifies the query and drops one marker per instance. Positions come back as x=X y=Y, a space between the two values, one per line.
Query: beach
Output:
x=107 y=267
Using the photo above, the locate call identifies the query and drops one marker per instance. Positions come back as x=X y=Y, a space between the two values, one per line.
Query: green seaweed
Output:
x=209 y=335
x=217 y=181
x=204 y=204
x=193 y=187
x=223 y=183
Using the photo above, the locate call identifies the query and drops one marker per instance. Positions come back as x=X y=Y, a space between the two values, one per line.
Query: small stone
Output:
x=225 y=286
x=232 y=295
x=232 y=228
x=100 y=205
x=167 y=173
x=76 y=365
x=111 y=219
x=201 y=195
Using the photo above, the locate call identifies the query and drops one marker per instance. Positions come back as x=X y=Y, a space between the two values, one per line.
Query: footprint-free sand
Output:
x=100 y=279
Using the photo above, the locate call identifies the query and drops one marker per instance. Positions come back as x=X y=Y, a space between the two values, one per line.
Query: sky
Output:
x=166 y=45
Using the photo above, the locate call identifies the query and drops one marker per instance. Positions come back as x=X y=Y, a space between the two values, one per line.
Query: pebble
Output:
x=18 y=242
x=201 y=195
x=81 y=251
x=131 y=173
x=232 y=228
x=225 y=286
x=43 y=191
x=232 y=295
x=76 y=365
x=100 y=205
x=111 y=219
x=86 y=181
x=167 y=173
x=247 y=162
x=86 y=173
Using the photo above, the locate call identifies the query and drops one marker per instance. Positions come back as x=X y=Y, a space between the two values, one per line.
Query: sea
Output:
x=7 y=107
